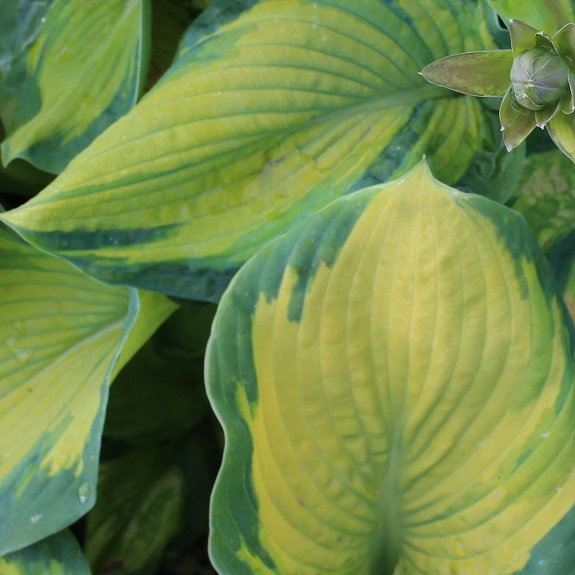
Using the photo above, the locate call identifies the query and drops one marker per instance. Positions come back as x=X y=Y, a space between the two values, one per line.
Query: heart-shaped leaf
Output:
x=61 y=335
x=395 y=380
x=57 y=555
x=271 y=110
x=76 y=67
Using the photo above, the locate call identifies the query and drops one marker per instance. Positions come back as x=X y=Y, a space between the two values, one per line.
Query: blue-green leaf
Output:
x=59 y=554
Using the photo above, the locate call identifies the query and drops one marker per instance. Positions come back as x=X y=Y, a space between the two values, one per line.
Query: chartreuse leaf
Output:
x=548 y=16
x=60 y=335
x=395 y=381
x=546 y=197
x=153 y=310
x=81 y=70
x=139 y=508
x=271 y=110
x=57 y=555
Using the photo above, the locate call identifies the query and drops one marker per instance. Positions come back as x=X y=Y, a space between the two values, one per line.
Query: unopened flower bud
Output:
x=539 y=78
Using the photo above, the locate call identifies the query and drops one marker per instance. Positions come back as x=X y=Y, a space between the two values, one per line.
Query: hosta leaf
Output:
x=395 y=380
x=61 y=333
x=563 y=264
x=57 y=555
x=555 y=555
x=549 y=16
x=546 y=197
x=153 y=310
x=271 y=110
x=81 y=69
x=140 y=496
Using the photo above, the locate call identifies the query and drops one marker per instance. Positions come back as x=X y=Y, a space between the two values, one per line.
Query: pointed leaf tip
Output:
x=466 y=307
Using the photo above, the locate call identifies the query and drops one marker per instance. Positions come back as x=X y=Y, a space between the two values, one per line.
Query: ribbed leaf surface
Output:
x=76 y=67
x=267 y=115
x=61 y=335
x=395 y=380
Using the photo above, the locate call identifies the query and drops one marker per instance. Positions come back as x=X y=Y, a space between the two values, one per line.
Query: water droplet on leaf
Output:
x=459 y=548
x=20 y=354
x=84 y=492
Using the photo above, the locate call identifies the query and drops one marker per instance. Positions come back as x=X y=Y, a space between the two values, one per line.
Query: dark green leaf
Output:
x=139 y=509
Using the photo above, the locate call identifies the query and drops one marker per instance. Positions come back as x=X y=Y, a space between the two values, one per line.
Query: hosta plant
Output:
x=281 y=294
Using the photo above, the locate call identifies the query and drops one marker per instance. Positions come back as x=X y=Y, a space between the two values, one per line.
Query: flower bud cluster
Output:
x=539 y=77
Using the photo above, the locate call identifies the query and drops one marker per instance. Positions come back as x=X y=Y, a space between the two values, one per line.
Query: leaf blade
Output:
x=372 y=416
x=264 y=117
x=57 y=555
x=101 y=52
x=61 y=335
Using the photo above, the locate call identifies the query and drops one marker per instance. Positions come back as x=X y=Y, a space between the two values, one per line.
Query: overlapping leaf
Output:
x=57 y=555
x=271 y=110
x=77 y=66
x=139 y=510
x=395 y=380
x=547 y=15
x=60 y=335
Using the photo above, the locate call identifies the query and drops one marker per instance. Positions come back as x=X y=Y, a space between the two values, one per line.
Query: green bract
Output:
x=535 y=79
